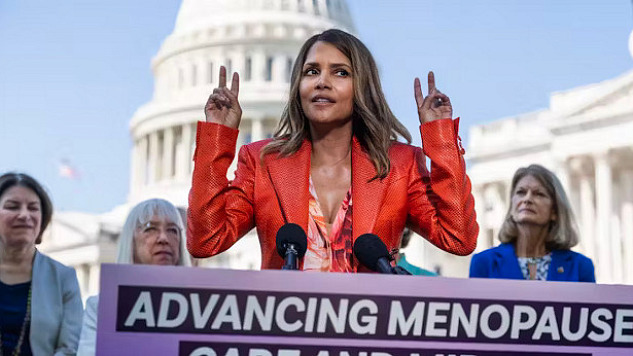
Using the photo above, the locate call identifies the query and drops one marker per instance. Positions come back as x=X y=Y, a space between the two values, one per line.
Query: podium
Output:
x=155 y=310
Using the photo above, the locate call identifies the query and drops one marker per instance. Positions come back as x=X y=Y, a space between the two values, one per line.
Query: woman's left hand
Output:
x=435 y=105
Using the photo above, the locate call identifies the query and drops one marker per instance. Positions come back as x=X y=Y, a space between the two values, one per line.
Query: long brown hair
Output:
x=562 y=233
x=373 y=123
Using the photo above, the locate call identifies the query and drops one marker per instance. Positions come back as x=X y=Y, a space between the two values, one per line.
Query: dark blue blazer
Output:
x=502 y=262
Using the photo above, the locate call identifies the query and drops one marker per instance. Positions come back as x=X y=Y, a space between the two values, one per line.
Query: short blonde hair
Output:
x=139 y=216
x=562 y=234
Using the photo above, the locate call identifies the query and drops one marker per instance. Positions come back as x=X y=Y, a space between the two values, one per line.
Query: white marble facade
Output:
x=586 y=137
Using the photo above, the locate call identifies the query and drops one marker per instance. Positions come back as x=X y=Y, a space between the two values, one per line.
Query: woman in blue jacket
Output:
x=537 y=234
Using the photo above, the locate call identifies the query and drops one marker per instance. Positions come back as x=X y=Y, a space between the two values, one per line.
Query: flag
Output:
x=66 y=170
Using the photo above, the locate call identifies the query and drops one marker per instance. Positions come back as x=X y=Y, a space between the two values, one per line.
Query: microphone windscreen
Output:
x=369 y=248
x=291 y=234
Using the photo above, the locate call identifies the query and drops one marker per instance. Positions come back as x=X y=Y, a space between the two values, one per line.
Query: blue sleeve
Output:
x=478 y=267
x=587 y=273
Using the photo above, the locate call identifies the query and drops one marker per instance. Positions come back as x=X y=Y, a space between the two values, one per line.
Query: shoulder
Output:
x=402 y=153
x=255 y=148
x=579 y=258
x=47 y=263
x=502 y=250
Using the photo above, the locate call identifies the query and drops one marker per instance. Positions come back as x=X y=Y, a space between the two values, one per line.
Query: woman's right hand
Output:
x=223 y=107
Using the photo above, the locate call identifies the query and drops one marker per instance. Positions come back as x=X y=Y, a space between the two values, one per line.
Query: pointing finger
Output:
x=235 y=84
x=222 y=80
x=431 y=80
x=417 y=91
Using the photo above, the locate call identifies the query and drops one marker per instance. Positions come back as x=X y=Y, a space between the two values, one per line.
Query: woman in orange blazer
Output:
x=337 y=138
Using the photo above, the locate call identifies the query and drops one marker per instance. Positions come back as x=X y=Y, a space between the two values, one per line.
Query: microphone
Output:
x=373 y=254
x=292 y=243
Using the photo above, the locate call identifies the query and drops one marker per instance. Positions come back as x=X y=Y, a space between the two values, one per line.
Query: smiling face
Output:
x=326 y=88
x=157 y=242
x=20 y=217
x=531 y=203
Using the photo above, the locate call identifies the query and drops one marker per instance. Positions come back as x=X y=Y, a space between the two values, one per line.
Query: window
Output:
x=269 y=68
x=229 y=68
x=210 y=72
x=248 y=69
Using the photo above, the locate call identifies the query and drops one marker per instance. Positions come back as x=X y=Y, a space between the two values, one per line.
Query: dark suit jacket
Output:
x=502 y=262
x=268 y=193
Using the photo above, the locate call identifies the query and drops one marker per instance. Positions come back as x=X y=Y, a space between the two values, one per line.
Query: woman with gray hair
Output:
x=152 y=235
x=537 y=234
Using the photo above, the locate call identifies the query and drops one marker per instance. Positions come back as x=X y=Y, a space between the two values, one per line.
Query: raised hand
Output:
x=222 y=106
x=435 y=105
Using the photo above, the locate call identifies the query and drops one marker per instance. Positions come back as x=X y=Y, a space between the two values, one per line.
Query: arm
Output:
x=220 y=212
x=71 y=316
x=587 y=273
x=88 y=339
x=441 y=205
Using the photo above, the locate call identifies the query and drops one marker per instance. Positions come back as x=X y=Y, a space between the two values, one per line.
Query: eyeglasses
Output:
x=153 y=230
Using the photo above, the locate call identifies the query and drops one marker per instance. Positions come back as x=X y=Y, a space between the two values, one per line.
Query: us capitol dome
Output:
x=257 y=38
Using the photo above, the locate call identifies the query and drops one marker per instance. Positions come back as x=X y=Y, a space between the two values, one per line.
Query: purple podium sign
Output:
x=150 y=310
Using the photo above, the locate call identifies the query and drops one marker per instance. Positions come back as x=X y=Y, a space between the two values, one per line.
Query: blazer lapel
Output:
x=560 y=266
x=507 y=262
x=290 y=179
x=367 y=197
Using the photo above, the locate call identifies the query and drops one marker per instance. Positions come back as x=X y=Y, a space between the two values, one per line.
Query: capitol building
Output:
x=586 y=136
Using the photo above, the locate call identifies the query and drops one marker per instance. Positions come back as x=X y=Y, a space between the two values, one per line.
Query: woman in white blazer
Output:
x=40 y=302
x=153 y=234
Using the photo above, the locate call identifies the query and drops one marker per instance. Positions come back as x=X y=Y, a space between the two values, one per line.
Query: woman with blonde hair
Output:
x=334 y=167
x=537 y=234
x=152 y=235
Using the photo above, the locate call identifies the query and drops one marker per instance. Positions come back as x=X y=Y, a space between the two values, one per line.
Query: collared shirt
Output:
x=329 y=252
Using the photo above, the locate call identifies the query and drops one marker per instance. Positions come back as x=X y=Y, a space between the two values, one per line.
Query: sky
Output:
x=73 y=72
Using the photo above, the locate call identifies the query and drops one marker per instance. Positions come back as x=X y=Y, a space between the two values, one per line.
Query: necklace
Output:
x=27 y=318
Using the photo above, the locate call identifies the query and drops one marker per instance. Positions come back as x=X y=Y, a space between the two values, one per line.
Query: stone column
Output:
x=587 y=216
x=482 y=242
x=563 y=174
x=168 y=153
x=604 y=186
x=257 y=128
x=259 y=65
x=279 y=68
x=626 y=218
x=153 y=157
x=134 y=166
x=93 y=284
x=190 y=144
x=143 y=162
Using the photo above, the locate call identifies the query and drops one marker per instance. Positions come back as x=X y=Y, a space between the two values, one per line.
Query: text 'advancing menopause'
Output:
x=214 y=311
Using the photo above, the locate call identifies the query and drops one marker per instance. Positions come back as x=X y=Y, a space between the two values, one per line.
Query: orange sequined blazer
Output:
x=265 y=195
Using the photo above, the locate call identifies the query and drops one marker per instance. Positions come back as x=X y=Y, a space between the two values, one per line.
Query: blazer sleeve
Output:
x=478 y=267
x=72 y=315
x=88 y=339
x=220 y=211
x=442 y=207
x=587 y=273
